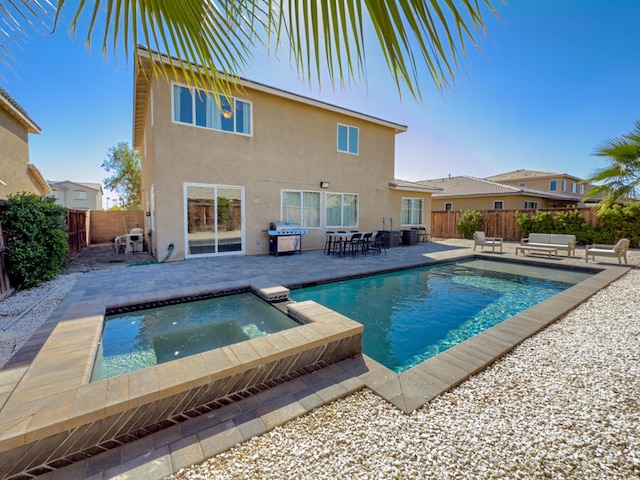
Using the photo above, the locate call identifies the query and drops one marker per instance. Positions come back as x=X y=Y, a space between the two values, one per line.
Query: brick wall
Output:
x=109 y=224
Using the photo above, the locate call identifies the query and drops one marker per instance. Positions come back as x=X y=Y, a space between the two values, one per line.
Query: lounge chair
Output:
x=480 y=239
x=618 y=250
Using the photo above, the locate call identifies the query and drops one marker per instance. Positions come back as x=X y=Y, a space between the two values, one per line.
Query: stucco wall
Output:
x=14 y=157
x=293 y=146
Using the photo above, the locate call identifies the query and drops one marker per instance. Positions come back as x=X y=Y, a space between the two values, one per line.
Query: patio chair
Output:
x=377 y=245
x=423 y=234
x=480 y=239
x=618 y=250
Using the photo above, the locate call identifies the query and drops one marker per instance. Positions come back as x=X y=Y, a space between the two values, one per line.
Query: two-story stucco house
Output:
x=17 y=174
x=215 y=174
x=567 y=188
x=76 y=195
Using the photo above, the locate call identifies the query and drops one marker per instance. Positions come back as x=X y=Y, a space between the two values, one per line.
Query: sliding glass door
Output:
x=214 y=217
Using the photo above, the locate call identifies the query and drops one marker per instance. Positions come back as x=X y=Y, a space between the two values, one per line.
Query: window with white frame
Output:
x=55 y=194
x=498 y=205
x=79 y=195
x=411 y=213
x=448 y=207
x=200 y=108
x=581 y=189
x=553 y=185
x=341 y=210
x=574 y=187
x=564 y=185
x=301 y=207
x=348 y=139
x=531 y=205
x=523 y=184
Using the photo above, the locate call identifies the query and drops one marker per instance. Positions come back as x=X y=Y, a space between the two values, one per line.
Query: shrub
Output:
x=36 y=232
x=470 y=222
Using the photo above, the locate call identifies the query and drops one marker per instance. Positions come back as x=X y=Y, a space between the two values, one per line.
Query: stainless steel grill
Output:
x=285 y=237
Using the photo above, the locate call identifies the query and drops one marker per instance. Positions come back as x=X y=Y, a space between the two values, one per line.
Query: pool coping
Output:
x=407 y=391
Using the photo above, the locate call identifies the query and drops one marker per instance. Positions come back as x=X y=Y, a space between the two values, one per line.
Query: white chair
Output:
x=480 y=239
x=618 y=250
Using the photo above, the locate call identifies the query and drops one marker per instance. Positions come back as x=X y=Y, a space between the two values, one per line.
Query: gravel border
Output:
x=563 y=404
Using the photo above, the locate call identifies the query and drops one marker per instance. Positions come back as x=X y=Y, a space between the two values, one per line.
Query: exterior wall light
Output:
x=324 y=184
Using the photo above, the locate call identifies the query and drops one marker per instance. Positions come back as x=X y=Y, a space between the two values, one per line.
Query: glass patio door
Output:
x=214 y=219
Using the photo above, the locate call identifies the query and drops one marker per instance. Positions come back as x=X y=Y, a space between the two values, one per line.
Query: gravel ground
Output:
x=25 y=311
x=563 y=404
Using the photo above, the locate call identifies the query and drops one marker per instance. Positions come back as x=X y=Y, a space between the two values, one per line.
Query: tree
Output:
x=620 y=180
x=220 y=35
x=37 y=239
x=125 y=164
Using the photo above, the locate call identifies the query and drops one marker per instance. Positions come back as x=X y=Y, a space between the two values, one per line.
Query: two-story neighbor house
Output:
x=471 y=193
x=568 y=187
x=17 y=174
x=217 y=171
x=76 y=195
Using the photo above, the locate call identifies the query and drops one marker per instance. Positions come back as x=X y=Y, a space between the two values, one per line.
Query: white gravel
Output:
x=563 y=404
x=25 y=311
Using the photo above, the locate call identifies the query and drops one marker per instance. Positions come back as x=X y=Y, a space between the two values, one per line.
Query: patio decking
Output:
x=187 y=441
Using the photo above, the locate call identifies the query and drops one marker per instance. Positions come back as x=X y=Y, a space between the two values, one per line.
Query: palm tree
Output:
x=620 y=180
x=220 y=35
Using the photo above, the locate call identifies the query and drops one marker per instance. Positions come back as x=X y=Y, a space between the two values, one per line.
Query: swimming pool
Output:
x=412 y=315
x=140 y=339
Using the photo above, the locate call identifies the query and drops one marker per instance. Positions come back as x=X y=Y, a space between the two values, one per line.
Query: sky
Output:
x=551 y=82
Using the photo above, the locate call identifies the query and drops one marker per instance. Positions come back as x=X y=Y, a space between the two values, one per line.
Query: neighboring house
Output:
x=76 y=195
x=217 y=172
x=557 y=183
x=16 y=173
x=470 y=193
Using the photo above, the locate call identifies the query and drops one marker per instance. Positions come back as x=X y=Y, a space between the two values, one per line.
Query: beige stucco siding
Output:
x=293 y=146
x=14 y=157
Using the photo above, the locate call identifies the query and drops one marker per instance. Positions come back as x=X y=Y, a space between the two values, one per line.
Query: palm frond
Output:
x=619 y=181
x=17 y=17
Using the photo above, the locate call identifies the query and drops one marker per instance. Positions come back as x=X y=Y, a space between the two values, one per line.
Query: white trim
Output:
x=193 y=111
x=302 y=192
x=498 y=201
x=348 y=127
x=342 y=194
x=413 y=200
x=215 y=187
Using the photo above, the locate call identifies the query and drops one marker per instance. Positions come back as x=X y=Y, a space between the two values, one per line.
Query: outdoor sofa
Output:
x=618 y=250
x=554 y=241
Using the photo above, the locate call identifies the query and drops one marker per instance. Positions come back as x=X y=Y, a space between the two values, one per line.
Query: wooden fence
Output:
x=497 y=223
x=77 y=221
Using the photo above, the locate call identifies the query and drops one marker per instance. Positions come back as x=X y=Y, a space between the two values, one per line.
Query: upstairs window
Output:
x=348 y=140
x=498 y=205
x=564 y=185
x=574 y=187
x=553 y=186
x=581 y=189
x=523 y=184
x=531 y=205
x=448 y=207
x=411 y=211
x=79 y=195
x=199 y=108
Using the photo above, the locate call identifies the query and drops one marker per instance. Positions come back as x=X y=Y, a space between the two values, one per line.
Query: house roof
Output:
x=523 y=174
x=143 y=79
x=407 y=186
x=16 y=111
x=42 y=183
x=91 y=186
x=466 y=186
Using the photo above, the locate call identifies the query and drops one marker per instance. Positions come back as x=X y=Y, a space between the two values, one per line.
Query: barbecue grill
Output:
x=285 y=237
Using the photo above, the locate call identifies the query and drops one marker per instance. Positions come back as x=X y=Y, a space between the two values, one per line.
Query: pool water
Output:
x=131 y=341
x=412 y=315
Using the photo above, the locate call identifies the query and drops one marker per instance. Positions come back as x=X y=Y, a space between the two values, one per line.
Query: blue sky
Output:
x=552 y=81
